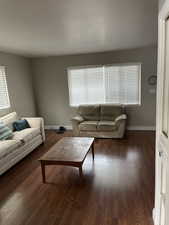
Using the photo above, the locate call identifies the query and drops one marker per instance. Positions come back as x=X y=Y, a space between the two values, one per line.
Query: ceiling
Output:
x=60 y=27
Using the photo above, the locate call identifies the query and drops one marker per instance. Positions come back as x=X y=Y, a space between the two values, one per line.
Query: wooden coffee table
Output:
x=69 y=151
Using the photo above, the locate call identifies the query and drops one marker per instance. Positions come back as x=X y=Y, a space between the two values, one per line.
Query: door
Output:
x=161 y=212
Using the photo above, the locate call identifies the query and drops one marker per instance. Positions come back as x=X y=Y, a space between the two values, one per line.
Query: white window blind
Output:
x=117 y=84
x=123 y=84
x=4 y=98
x=86 y=86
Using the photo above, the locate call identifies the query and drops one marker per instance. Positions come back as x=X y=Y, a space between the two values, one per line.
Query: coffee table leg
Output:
x=80 y=171
x=43 y=172
x=93 y=150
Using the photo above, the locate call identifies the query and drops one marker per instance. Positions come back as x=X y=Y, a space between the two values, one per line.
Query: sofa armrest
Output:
x=121 y=117
x=37 y=122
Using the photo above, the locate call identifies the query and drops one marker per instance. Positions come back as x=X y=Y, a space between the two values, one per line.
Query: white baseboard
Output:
x=69 y=127
x=55 y=127
x=148 y=128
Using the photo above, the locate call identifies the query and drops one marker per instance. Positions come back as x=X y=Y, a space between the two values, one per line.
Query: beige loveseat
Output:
x=22 y=142
x=102 y=121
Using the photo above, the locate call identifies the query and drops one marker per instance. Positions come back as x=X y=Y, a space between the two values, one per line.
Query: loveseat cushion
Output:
x=89 y=112
x=8 y=146
x=26 y=134
x=106 y=126
x=110 y=112
x=88 y=126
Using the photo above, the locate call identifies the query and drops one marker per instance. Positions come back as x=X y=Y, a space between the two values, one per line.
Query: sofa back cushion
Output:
x=110 y=112
x=9 y=119
x=89 y=112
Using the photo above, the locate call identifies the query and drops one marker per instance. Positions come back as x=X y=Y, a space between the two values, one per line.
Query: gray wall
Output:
x=161 y=2
x=19 y=80
x=51 y=86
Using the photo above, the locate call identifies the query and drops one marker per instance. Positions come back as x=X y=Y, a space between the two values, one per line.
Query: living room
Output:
x=80 y=113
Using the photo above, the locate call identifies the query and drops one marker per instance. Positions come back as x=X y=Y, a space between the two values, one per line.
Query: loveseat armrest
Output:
x=75 y=124
x=121 y=117
x=37 y=122
x=78 y=119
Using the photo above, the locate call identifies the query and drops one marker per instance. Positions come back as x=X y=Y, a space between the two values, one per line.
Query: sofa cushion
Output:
x=88 y=126
x=26 y=134
x=89 y=112
x=106 y=126
x=110 y=112
x=8 y=146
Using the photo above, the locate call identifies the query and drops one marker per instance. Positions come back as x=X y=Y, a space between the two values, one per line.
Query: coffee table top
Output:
x=69 y=149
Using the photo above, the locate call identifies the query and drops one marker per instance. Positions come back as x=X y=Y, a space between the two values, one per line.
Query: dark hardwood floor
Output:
x=117 y=189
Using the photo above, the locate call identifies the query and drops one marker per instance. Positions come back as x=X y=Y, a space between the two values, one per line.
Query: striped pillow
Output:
x=5 y=132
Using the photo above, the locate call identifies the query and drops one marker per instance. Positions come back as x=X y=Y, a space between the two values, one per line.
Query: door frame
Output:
x=160 y=140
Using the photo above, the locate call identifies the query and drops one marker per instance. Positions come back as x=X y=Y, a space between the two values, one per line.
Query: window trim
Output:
x=104 y=65
x=7 y=90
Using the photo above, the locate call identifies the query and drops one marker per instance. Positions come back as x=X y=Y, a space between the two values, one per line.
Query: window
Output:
x=117 y=84
x=4 y=98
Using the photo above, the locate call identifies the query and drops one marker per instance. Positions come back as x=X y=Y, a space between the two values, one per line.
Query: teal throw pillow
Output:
x=20 y=125
x=5 y=132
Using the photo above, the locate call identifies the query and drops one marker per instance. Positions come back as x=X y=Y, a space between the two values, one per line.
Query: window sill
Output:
x=115 y=104
x=5 y=108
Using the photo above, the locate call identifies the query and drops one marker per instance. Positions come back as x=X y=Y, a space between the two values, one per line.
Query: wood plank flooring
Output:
x=117 y=189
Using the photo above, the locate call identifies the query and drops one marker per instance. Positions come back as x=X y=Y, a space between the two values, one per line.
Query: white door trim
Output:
x=161 y=141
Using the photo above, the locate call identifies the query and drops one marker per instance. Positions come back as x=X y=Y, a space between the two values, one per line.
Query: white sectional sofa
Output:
x=22 y=142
